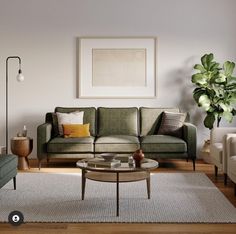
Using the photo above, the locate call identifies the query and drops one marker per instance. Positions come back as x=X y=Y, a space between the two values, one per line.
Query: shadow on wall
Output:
x=180 y=81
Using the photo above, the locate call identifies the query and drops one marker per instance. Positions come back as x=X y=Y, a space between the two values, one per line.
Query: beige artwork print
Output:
x=119 y=67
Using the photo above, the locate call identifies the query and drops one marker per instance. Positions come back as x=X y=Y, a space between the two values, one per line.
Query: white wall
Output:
x=44 y=32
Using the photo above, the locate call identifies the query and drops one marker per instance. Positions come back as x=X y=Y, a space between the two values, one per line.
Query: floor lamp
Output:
x=19 y=78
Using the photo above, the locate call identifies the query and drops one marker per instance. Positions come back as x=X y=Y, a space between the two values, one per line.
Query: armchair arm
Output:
x=43 y=136
x=232 y=150
x=190 y=136
x=217 y=134
x=229 y=149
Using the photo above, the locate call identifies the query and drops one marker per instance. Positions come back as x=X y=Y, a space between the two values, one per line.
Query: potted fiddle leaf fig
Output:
x=216 y=90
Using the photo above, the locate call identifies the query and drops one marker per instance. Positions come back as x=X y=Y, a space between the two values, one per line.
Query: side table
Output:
x=22 y=147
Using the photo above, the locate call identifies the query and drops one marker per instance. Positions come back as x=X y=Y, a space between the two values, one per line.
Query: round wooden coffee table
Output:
x=22 y=147
x=120 y=174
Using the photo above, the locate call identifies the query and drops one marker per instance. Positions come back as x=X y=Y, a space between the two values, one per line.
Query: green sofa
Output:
x=118 y=130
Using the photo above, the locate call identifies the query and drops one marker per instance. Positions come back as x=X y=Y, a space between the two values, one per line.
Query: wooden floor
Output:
x=96 y=228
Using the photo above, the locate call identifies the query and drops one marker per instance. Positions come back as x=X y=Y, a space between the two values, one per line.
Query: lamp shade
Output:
x=20 y=76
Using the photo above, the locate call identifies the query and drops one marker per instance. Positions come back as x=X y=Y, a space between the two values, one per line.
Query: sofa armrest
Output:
x=190 y=136
x=44 y=134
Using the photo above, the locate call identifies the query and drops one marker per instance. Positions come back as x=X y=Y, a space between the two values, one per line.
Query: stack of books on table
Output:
x=100 y=162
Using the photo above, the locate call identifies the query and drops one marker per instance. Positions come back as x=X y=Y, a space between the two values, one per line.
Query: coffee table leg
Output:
x=148 y=186
x=83 y=183
x=117 y=194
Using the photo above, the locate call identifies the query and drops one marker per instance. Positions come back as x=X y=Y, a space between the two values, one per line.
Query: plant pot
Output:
x=205 y=152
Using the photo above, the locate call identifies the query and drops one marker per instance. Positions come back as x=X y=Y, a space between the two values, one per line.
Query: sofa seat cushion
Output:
x=7 y=164
x=117 y=144
x=216 y=151
x=70 y=145
x=163 y=144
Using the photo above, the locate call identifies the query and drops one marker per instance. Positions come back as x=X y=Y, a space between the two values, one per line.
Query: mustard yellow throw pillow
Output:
x=76 y=130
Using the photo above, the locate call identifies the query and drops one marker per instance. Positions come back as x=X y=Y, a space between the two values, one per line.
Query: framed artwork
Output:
x=117 y=67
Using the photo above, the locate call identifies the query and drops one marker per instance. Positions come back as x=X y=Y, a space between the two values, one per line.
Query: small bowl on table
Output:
x=108 y=157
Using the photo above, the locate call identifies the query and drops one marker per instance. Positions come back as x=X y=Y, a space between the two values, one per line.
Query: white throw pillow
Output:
x=69 y=118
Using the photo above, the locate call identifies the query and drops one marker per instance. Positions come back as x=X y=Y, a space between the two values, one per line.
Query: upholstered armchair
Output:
x=231 y=160
x=218 y=151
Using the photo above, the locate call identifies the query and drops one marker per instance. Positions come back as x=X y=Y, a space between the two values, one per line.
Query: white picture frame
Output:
x=123 y=67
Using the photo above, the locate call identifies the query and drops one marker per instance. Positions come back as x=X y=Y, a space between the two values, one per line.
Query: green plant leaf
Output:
x=231 y=80
x=197 y=93
x=232 y=98
x=234 y=112
x=221 y=78
x=206 y=60
x=231 y=88
x=210 y=92
x=214 y=66
x=225 y=107
x=211 y=109
x=209 y=120
x=204 y=102
x=199 y=67
x=219 y=91
x=199 y=79
x=228 y=68
x=228 y=116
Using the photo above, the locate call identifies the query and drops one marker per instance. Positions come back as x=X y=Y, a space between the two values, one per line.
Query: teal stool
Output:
x=8 y=169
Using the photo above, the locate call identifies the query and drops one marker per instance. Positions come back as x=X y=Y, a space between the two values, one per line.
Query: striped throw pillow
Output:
x=171 y=124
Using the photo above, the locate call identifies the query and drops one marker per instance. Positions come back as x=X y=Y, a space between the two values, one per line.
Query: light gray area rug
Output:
x=175 y=197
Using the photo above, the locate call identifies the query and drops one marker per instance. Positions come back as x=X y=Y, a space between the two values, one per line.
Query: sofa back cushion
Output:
x=89 y=117
x=76 y=117
x=150 y=119
x=117 y=121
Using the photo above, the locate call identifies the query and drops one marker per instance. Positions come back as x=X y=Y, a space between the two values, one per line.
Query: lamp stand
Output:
x=19 y=73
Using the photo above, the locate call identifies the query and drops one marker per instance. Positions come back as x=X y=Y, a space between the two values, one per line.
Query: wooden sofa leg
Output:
x=216 y=171
x=39 y=164
x=234 y=189
x=225 y=179
x=193 y=164
x=14 y=182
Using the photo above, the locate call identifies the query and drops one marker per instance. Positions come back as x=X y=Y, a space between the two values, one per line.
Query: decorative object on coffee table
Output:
x=138 y=156
x=100 y=162
x=22 y=146
x=108 y=156
x=19 y=78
